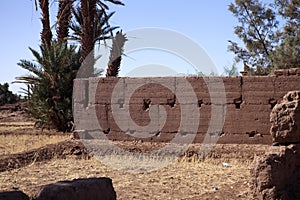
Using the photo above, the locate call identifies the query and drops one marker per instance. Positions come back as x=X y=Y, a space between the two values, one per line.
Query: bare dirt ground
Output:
x=31 y=157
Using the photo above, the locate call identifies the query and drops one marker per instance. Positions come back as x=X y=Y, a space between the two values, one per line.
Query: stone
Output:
x=285 y=119
x=79 y=189
x=276 y=175
x=13 y=195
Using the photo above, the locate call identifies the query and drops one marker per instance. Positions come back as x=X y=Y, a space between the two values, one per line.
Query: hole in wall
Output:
x=251 y=134
x=146 y=104
x=217 y=134
x=272 y=102
x=184 y=133
x=221 y=134
x=131 y=131
x=121 y=103
x=171 y=102
x=106 y=131
x=291 y=106
x=200 y=102
x=238 y=102
x=290 y=98
x=155 y=133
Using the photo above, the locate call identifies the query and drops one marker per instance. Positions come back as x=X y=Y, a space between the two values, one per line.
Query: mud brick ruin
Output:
x=276 y=174
x=249 y=102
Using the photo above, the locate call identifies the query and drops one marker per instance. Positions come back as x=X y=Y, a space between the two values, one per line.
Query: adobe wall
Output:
x=246 y=111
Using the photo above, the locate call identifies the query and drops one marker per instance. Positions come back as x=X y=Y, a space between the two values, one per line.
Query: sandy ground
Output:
x=180 y=180
x=186 y=178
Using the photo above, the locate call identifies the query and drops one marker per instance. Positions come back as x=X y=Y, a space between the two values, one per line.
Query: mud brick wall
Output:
x=246 y=111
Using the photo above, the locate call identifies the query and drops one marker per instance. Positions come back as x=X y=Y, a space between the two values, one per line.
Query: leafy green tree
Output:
x=6 y=96
x=51 y=78
x=268 y=44
x=289 y=10
x=287 y=54
x=257 y=29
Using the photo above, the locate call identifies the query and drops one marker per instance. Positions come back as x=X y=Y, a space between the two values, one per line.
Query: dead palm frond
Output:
x=116 y=53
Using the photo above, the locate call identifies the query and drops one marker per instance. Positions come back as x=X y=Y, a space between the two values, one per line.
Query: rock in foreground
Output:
x=13 y=195
x=79 y=189
x=276 y=175
x=285 y=119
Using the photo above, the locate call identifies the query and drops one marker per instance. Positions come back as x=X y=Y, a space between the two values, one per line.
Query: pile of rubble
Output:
x=276 y=175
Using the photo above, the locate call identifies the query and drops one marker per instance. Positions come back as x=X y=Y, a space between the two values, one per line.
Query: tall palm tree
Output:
x=88 y=8
x=63 y=19
x=51 y=76
x=88 y=34
x=46 y=34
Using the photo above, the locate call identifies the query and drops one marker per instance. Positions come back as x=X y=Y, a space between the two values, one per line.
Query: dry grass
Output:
x=187 y=178
x=12 y=126
x=180 y=180
x=10 y=144
x=17 y=124
x=17 y=137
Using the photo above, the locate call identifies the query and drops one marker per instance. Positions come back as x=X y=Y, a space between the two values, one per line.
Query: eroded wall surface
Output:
x=242 y=116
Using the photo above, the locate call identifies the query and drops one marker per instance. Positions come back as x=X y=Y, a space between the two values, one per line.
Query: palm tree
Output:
x=51 y=78
x=88 y=34
x=46 y=34
x=63 y=19
x=102 y=29
x=88 y=8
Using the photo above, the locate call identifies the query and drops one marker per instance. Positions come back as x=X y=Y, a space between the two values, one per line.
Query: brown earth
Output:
x=187 y=178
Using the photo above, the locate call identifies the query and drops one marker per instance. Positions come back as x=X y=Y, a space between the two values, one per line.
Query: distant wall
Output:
x=249 y=101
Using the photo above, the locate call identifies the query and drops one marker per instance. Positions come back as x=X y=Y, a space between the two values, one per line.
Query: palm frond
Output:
x=29 y=79
x=102 y=30
x=116 y=55
x=31 y=67
x=51 y=77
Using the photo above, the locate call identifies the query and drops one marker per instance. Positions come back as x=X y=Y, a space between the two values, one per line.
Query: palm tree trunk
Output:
x=88 y=9
x=46 y=34
x=63 y=19
x=116 y=55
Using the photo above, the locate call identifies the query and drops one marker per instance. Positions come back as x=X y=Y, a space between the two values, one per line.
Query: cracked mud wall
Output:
x=245 y=111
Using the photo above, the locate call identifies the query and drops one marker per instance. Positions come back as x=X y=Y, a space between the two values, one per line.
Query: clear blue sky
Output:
x=209 y=23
